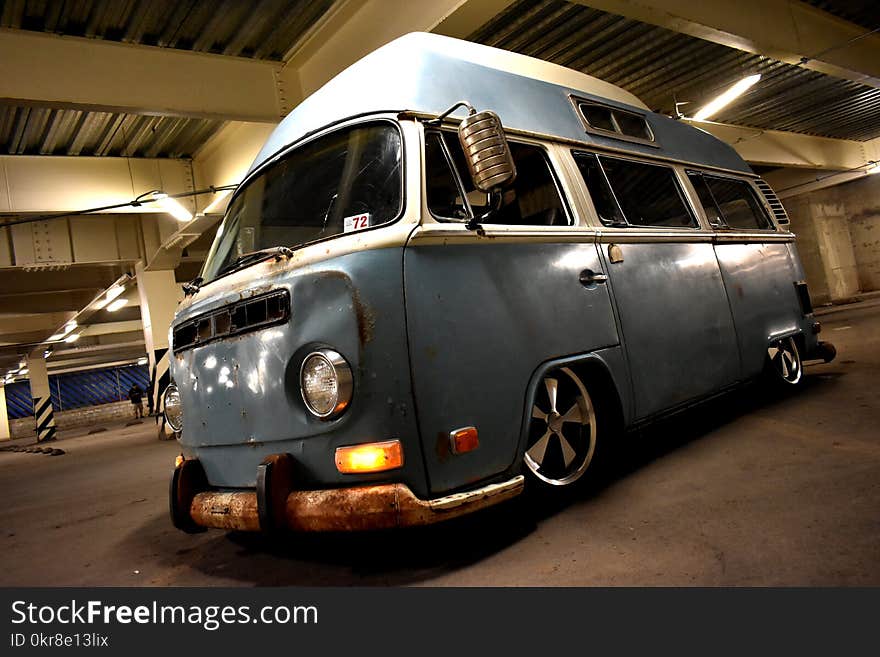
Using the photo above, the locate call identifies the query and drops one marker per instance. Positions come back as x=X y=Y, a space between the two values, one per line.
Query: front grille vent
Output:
x=237 y=318
x=775 y=203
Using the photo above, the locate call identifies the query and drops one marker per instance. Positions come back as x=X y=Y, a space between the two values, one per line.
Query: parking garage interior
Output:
x=124 y=126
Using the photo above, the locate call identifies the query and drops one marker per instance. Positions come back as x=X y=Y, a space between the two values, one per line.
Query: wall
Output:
x=80 y=417
x=838 y=232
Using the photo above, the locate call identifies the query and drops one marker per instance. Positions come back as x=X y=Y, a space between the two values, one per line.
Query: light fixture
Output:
x=116 y=305
x=55 y=338
x=143 y=360
x=724 y=99
x=73 y=337
x=23 y=371
x=69 y=327
x=173 y=207
x=111 y=294
x=873 y=167
x=214 y=205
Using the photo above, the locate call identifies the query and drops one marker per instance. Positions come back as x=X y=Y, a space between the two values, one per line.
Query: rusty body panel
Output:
x=358 y=508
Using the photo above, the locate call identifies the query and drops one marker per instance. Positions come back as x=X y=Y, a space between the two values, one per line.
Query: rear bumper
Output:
x=355 y=508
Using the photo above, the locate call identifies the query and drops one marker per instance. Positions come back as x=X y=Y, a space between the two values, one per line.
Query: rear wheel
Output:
x=563 y=430
x=784 y=362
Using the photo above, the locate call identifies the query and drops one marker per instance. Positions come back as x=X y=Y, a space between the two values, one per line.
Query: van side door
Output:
x=486 y=308
x=675 y=322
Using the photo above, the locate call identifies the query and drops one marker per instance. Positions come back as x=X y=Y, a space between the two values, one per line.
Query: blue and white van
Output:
x=412 y=305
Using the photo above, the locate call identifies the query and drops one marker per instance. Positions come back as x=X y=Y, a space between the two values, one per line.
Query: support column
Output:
x=44 y=416
x=159 y=295
x=836 y=248
x=4 y=417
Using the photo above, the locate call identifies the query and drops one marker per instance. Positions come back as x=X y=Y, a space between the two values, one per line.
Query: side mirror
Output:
x=486 y=151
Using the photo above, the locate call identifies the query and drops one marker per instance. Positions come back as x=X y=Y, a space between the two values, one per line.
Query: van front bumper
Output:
x=356 y=508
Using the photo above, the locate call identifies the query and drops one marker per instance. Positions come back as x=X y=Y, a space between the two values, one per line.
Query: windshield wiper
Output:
x=252 y=258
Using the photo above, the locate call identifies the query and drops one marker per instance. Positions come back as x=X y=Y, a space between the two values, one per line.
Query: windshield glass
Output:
x=345 y=181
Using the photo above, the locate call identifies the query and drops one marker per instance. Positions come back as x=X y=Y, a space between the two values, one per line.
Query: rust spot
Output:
x=366 y=319
x=442 y=447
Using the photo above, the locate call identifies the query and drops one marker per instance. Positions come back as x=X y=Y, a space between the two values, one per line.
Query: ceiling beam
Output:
x=358 y=28
x=790 y=149
x=785 y=30
x=92 y=74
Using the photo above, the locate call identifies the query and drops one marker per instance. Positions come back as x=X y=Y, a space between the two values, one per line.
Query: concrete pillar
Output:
x=159 y=295
x=4 y=417
x=862 y=200
x=44 y=416
x=836 y=248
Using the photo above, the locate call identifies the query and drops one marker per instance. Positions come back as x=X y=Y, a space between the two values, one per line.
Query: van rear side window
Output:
x=630 y=193
x=730 y=203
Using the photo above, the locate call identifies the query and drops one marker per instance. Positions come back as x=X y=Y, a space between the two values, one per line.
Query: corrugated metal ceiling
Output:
x=41 y=131
x=261 y=29
x=661 y=66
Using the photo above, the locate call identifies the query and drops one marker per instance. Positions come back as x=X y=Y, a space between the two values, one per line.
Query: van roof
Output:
x=428 y=73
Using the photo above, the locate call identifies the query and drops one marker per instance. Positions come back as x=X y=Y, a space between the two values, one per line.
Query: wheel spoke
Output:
x=568 y=452
x=538 y=414
x=772 y=352
x=539 y=449
x=552 y=385
x=783 y=365
x=573 y=414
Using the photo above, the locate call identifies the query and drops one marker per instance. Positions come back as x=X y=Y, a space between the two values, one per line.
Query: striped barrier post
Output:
x=44 y=416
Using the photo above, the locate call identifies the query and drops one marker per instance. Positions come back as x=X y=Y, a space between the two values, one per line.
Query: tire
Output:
x=563 y=436
x=784 y=366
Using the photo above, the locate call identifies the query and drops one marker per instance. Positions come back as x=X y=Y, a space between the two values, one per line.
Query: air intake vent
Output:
x=775 y=203
x=235 y=319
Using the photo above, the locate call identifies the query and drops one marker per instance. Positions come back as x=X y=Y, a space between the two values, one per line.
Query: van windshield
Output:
x=346 y=181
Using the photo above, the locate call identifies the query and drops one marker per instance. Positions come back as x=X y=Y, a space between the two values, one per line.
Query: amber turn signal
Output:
x=371 y=457
x=464 y=440
x=178 y=460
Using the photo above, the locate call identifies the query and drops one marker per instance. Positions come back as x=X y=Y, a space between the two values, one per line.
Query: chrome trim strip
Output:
x=510 y=487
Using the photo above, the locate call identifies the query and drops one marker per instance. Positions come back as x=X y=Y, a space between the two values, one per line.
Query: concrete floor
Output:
x=744 y=491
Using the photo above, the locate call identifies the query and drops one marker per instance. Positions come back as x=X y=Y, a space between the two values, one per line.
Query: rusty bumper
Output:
x=343 y=509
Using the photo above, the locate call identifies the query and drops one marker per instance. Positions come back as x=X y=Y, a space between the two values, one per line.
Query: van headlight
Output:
x=173 y=408
x=326 y=383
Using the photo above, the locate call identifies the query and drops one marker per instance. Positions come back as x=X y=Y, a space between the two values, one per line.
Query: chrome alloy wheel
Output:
x=786 y=360
x=562 y=431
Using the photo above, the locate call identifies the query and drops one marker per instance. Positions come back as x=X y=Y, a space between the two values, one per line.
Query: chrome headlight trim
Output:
x=175 y=418
x=344 y=382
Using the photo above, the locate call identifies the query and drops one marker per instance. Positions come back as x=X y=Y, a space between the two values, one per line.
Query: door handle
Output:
x=590 y=277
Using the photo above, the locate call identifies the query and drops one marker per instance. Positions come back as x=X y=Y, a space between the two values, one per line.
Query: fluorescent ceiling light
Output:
x=55 y=338
x=69 y=327
x=111 y=294
x=723 y=100
x=23 y=371
x=143 y=361
x=215 y=205
x=73 y=337
x=116 y=305
x=873 y=167
x=172 y=207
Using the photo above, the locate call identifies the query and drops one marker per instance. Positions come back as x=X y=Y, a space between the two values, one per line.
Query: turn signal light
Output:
x=178 y=460
x=371 y=457
x=464 y=440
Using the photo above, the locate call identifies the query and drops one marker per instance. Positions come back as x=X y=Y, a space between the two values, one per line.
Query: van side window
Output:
x=732 y=202
x=645 y=194
x=603 y=199
x=532 y=200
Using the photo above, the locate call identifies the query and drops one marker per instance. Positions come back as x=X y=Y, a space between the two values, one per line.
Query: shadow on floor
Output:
x=398 y=557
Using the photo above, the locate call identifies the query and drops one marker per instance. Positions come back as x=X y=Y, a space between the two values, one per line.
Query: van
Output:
x=454 y=268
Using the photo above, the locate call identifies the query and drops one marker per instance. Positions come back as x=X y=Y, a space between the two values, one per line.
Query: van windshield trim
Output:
x=291 y=150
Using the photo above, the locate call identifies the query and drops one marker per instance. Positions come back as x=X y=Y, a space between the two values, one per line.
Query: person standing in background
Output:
x=136 y=395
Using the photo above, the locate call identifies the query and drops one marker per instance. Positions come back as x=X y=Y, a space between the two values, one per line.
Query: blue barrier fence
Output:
x=79 y=389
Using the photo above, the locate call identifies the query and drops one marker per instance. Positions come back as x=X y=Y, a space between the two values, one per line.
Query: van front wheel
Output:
x=563 y=429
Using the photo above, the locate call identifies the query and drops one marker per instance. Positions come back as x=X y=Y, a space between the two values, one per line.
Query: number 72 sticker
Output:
x=356 y=222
